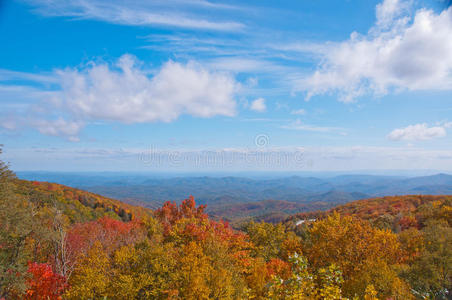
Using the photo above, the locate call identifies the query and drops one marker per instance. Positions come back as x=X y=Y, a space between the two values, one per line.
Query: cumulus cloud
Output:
x=390 y=10
x=127 y=92
x=400 y=52
x=418 y=132
x=129 y=95
x=258 y=105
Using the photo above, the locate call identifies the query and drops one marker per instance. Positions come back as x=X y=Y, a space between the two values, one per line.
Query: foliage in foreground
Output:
x=56 y=243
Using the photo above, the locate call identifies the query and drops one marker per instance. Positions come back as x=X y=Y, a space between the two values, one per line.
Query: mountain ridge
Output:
x=231 y=198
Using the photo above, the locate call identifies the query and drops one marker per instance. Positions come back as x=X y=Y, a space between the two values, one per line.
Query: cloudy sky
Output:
x=199 y=85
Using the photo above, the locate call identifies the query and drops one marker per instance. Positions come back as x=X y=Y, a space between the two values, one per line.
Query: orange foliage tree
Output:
x=363 y=253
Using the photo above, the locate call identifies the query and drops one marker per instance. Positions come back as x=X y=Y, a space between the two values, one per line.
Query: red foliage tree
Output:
x=278 y=267
x=170 y=213
x=408 y=222
x=111 y=233
x=44 y=283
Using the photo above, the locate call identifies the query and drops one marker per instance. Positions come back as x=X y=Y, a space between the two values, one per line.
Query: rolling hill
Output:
x=59 y=242
x=230 y=197
x=77 y=204
x=391 y=212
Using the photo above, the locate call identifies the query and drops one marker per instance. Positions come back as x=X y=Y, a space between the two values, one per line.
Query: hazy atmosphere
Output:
x=210 y=86
x=225 y=149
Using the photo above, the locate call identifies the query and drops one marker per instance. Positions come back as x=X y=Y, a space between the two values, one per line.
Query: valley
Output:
x=238 y=199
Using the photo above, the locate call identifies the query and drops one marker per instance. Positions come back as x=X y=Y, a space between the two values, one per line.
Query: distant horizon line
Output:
x=369 y=172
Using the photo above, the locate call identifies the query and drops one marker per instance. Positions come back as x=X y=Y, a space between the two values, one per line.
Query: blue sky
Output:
x=235 y=85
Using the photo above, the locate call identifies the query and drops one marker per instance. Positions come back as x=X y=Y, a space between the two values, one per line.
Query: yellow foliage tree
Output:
x=194 y=267
x=363 y=253
x=90 y=278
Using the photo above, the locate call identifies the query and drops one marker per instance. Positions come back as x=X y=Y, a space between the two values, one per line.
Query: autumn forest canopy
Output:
x=58 y=242
x=225 y=149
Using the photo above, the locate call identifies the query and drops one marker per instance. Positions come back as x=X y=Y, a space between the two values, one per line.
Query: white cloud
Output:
x=7 y=75
x=59 y=127
x=244 y=65
x=145 y=13
x=401 y=52
x=298 y=112
x=418 y=132
x=8 y=123
x=258 y=105
x=389 y=10
x=130 y=96
x=124 y=92
x=299 y=125
x=252 y=82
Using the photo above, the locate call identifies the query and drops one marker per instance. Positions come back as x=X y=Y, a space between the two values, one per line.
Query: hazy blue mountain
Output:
x=233 y=194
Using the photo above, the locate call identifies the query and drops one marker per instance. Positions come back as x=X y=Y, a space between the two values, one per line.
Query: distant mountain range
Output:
x=230 y=197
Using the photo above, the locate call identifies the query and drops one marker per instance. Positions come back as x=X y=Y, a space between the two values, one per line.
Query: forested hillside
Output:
x=422 y=224
x=395 y=212
x=78 y=205
x=61 y=243
x=236 y=199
